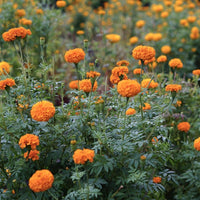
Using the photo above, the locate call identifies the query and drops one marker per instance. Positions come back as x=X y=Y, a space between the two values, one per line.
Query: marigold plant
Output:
x=74 y=55
x=82 y=156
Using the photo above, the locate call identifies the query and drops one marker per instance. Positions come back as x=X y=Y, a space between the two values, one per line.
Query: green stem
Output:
x=141 y=104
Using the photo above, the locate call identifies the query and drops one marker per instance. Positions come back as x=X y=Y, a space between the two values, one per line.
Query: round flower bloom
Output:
x=184 y=126
x=173 y=87
x=115 y=79
x=41 y=180
x=161 y=59
x=140 y=23
x=197 y=144
x=166 y=49
x=33 y=155
x=60 y=4
x=123 y=63
x=146 y=107
x=29 y=139
x=92 y=74
x=143 y=52
x=20 y=12
x=149 y=36
x=157 y=179
x=178 y=103
x=194 y=33
x=82 y=156
x=130 y=111
x=164 y=14
x=42 y=111
x=175 y=63
x=74 y=55
x=25 y=21
x=39 y=11
x=196 y=72
x=7 y=82
x=15 y=33
x=4 y=68
x=143 y=157
x=101 y=12
x=86 y=85
x=113 y=38
x=145 y=83
x=149 y=61
x=138 y=71
x=133 y=40
x=80 y=32
x=118 y=71
x=74 y=84
x=157 y=36
x=157 y=8
x=128 y=88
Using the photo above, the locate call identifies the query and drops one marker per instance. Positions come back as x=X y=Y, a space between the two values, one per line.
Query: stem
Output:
x=54 y=197
x=77 y=71
x=141 y=103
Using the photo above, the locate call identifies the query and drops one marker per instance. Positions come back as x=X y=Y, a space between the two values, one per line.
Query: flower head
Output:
x=173 y=87
x=42 y=111
x=175 y=63
x=86 y=85
x=123 y=63
x=196 y=72
x=74 y=84
x=7 y=82
x=4 y=68
x=41 y=180
x=113 y=38
x=146 y=83
x=92 y=74
x=166 y=49
x=60 y=4
x=20 y=12
x=184 y=126
x=140 y=23
x=162 y=58
x=143 y=53
x=130 y=111
x=138 y=71
x=146 y=107
x=133 y=40
x=82 y=156
x=74 y=55
x=33 y=155
x=128 y=88
x=29 y=140
x=197 y=144
x=157 y=179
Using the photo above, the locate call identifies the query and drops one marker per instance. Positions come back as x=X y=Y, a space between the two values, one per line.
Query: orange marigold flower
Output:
x=178 y=103
x=166 y=49
x=157 y=36
x=157 y=8
x=82 y=156
x=60 y=4
x=138 y=71
x=92 y=74
x=140 y=23
x=25 y=21
x=157 y=179
x=33 y=155
x=143 y=157
x=74 y=84
x=146 y=83
x=143 y=53
x=164 y=14
x=123 y=63
x=149 y=61
x=42 y=111
x=86 y=85
x=130 y=111
x=80 y=32
x=146 y=106
x=116 y=79
x=39 y=11
x=74 y=55
x=149 y=36
x=196 y=72
x=113 y=38
x=197 y=144
x=41 y=180
x=173 y=87
x=20 y=12
x=184 y=126
x=73 y=142
x=118 y=71
x=7 y=82
x=128 y=88
x=175 y=63
x=162 y=58
x=4 y=68
x=29 y=139
x=15 y=33
x=133 y=40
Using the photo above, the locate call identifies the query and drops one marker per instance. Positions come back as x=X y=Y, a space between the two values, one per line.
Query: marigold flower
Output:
x=143 y=157
x=82 y=156
x=29 y=139
x=157 y=179
x=123 y=63
x=146 y=83
x=197 y=144
x=157 y=36
x=73 y=142
x=80 y=32
x=60 y=4
x=74 y=55
x=20 y=12
x=4 y=68
x=164 y=14
x=191 y=19
x=140 y=23
x=175 y=63
x=146 y=106
x=33 y=155
x=178 y=103
x=130 y=111
x=194 y=33
x=154 y=140
x=101 y=12
x=42 y=111
x=184 y=126
x=41 y=180
x=74 y=84
x=15 y=33
x=166 y=49
x=25 y=21
x=149 y=61
x=7 y=82
x=157 y=8
x=173 y=87
x=113 y=38
x=128 y=88
x=149 y=37
x=92 y=74
x=114 y=79
x=138 y=71
x=143 y=53
x=133 y=40
x=118 y=71
x=39 y=11
x=162 y=58
x=86 y=85
x=196 y=72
